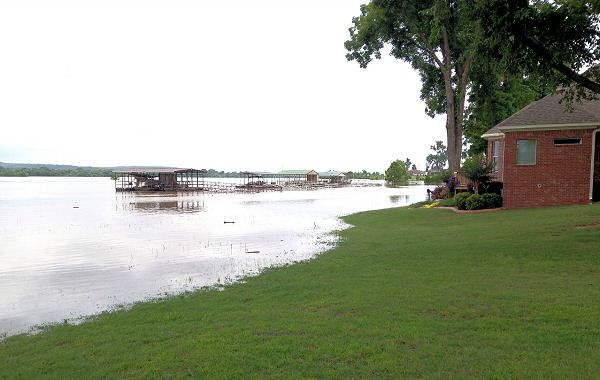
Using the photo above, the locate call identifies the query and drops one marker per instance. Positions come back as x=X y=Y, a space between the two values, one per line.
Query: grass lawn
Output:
x=409 y=293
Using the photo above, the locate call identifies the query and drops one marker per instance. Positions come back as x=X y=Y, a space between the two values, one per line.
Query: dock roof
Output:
x=146 y=170
x=297 y=172
x=332 y=174
x=257 y=174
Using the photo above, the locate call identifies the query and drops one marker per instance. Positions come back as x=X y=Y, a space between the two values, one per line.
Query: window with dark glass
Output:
x=567 y=141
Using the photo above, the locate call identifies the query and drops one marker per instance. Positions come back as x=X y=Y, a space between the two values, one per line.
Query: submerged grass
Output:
x=408 y=293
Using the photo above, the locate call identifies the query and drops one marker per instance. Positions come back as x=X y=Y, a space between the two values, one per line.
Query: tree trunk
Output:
x=453 y=118
x=453 y=128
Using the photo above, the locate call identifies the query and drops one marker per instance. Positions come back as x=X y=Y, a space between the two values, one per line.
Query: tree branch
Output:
x=429 y=49
x=462 y=88
x=446 y=49
x=545 y=55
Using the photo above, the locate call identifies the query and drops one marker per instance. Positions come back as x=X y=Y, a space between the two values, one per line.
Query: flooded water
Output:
x=73 y=247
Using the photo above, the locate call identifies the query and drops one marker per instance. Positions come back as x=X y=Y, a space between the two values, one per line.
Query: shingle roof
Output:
x=549 y=111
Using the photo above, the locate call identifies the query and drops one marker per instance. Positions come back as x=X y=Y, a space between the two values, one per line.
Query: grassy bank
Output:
x=409 y=293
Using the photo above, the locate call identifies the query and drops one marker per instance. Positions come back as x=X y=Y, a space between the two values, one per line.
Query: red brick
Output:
x=560 y=176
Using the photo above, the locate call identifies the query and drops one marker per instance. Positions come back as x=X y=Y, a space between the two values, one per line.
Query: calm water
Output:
x=72 y=247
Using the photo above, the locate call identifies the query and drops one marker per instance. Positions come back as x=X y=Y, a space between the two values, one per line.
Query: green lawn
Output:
x=409 y=293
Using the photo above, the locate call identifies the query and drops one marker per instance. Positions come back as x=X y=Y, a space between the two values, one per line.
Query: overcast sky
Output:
x=230 y=85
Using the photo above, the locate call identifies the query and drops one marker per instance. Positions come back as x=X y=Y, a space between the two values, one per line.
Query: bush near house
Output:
x=468 y=201
x=461 y=200
x=492 y=200
x=474 y=202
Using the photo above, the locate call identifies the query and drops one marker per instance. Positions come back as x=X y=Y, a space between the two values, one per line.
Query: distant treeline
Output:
x=46 y=172
x=43 y=171
x=364 y=175
x=212 y=173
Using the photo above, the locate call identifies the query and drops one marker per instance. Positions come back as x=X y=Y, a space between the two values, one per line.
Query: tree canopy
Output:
x=547 y=37
x=397 y=173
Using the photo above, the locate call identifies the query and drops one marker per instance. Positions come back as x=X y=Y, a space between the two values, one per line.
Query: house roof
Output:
x=297 y=172
x=548 y=113
x=331 y=174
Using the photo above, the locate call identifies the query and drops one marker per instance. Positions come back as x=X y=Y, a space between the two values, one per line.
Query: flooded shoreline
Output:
x=72 y=247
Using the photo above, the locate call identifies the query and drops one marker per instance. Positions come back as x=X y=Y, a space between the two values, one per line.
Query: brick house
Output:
x=546 y=155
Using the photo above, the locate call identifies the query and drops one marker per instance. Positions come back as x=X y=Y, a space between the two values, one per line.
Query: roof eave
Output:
x=549 y=127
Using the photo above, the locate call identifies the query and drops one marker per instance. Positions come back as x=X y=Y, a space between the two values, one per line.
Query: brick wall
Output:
x=560 y=176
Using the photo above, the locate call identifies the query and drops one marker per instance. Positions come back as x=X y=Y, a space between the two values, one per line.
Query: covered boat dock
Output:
x=159 y=179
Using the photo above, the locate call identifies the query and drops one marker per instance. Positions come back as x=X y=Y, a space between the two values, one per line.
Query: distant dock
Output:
x=184 y=179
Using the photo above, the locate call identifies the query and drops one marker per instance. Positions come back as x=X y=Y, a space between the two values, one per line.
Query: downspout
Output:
x=503 y=159
x=594 y=133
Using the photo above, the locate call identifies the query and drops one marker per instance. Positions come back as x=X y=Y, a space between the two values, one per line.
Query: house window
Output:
x=495 y=154
x=567 y=141
x=526 y=152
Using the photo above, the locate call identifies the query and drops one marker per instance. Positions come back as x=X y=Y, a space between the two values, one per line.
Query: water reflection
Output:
x=396 y=199
x=189 y=206
x=59 y=262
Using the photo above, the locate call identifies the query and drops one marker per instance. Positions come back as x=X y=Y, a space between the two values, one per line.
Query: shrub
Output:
x=461 y=200
x=477 y=170
x=440 y=192
x=475 y=202
x=492 y=200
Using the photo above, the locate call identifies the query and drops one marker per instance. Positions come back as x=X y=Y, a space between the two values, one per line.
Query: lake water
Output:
x=73 y=247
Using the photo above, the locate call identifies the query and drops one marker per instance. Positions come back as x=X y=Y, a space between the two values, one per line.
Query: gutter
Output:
x=493 y=135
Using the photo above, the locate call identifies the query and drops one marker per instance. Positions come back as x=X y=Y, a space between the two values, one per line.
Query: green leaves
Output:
x=544 y=37
x=438 y=160
x=397 y=173
x=477 y=170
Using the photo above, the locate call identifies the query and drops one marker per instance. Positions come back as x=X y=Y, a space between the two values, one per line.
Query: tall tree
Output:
x=438 y=38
